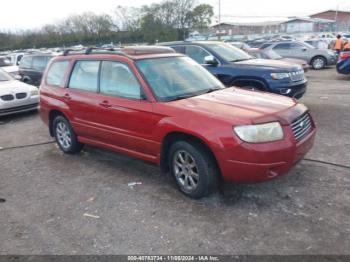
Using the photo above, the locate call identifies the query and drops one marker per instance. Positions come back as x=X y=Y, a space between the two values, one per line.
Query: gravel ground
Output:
x=44 y=195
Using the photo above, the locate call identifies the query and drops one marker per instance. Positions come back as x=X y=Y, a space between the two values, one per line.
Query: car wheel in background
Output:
x=65 y=136
x=318 y=62
x=194 y=170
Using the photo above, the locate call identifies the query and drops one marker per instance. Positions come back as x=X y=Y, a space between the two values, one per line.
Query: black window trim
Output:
x=143 y=96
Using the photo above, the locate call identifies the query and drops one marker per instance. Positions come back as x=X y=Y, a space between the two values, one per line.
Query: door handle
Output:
x=105 y=104
x=67 y=97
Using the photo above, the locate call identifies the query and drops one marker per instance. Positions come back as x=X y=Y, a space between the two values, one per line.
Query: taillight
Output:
x=344 y=55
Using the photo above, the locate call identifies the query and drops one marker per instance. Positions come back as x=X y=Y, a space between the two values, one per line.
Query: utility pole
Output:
x=336 y=18
x=219 y=19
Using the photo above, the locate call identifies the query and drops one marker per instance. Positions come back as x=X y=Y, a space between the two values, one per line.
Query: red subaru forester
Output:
x=162 y=107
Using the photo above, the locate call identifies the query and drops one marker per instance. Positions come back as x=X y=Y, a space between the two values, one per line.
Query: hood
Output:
x=268 y=63
x=242 y=106
x=14 y=86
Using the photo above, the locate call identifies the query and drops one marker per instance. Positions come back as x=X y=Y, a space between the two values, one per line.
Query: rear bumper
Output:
x=271 y=160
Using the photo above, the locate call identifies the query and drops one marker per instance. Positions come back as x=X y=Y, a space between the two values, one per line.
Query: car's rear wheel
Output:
x=65 y=136
x=193 y=168
x=318 y=63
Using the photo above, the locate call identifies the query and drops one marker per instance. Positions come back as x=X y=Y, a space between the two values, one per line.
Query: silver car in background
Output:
x=316 y=58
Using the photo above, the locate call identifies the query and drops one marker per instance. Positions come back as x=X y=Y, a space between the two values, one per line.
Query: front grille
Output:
x=7 y=97
x=301 y=126
x=21 y=95
x=297 y=75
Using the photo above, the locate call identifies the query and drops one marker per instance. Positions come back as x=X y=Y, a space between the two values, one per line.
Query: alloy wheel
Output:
x=64 y=137
x=186 y=170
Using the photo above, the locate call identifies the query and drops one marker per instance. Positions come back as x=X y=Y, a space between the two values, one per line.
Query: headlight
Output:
x=330 y=52
x=280 y=76
x=34 y=92
x=261 y=133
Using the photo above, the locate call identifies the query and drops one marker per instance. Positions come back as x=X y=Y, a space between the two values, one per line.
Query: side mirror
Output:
x=210 y=60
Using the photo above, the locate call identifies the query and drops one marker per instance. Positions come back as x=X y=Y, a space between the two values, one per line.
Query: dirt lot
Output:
x=46 y=194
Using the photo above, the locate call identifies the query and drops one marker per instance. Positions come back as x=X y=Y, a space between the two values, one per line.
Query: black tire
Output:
x=318 y=62
x=70 y=148
x=252 y=86
x=27 y=80
x=207 y=171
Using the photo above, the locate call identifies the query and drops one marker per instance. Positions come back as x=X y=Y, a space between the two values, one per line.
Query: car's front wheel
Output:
x=193 y=168
x=318 y=63
x=65 y=136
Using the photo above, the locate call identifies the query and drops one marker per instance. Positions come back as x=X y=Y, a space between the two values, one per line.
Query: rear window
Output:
x=56 y=73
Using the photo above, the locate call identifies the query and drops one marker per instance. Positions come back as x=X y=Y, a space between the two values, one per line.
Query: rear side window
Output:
x=118 y=80
x=85 y=76
x=56 y=73
x=26 y=62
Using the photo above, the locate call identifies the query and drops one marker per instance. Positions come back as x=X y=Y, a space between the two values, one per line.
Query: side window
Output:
x=56 y=73
x=39 y=63
x=283 y=46
x=85 y=76
x=26 y=62
x=296 y=46
x=196 y=53
x=118 y=80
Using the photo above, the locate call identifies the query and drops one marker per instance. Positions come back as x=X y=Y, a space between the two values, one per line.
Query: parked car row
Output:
x=163 y=107
x=234 y=67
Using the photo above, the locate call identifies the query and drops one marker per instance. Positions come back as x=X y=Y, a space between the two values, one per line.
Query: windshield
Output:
x=4 y=76
x=174 y=78
x=272 y=54
x=228 y=52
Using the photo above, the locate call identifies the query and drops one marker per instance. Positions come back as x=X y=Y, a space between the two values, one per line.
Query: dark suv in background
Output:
x=32 y=67
x=235 y=67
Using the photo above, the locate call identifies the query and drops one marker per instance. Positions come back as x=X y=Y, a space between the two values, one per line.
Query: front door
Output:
x=124 y=113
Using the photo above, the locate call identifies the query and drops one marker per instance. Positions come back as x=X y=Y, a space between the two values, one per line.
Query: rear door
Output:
x=80 y=97
x=283 y=49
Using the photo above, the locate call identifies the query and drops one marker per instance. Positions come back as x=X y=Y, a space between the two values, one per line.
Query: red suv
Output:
x=162 y=107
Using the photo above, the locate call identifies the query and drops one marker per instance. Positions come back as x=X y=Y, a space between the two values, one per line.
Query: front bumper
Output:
x=19 y=106
x=265 y=161
x=291 y=89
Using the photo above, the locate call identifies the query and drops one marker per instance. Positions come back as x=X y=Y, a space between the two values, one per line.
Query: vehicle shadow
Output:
x=164 y=188
x=17 y=117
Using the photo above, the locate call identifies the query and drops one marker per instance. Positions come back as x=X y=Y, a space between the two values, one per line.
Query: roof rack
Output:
x=93 y=50
x=124 y=51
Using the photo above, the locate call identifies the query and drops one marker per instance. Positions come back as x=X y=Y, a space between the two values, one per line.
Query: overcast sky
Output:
x=17 y=14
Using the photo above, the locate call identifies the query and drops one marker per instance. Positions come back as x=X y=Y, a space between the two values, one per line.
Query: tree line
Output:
x=169 y=20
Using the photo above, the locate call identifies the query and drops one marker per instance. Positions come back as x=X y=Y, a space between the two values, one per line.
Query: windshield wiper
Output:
x=184 y=96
